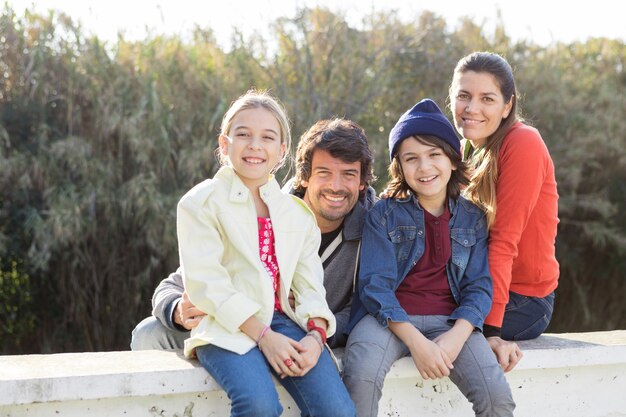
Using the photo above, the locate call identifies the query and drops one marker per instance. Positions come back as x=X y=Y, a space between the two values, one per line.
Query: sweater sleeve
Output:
x=522 y=167
x=165 y=298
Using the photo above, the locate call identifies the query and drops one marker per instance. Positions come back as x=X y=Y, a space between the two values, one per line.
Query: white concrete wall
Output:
x=573 y=375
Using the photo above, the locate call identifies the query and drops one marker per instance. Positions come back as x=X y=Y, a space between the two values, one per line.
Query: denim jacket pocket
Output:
x=462 y=242
x=403 y=238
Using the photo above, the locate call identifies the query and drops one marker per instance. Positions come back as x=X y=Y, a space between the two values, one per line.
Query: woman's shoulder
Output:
x=523 y=143
x=522 y=136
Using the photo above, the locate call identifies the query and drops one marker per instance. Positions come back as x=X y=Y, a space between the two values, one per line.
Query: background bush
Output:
x=99 y=141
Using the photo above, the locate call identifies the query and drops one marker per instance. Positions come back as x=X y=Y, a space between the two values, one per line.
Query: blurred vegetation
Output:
x=99 y=141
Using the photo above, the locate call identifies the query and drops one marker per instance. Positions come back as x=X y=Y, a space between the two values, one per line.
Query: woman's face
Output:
x=478 y=105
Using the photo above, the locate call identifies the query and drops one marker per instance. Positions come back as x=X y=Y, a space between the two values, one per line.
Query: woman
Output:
x=513 y=181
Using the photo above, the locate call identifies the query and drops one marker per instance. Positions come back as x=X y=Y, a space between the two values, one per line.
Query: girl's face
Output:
x=427 y=170
x=254 y=145
x=478 y=105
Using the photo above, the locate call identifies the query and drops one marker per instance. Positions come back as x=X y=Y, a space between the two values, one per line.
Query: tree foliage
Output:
x=98 y=142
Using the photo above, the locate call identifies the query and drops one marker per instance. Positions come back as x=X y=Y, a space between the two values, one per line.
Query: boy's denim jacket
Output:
x=393 y=242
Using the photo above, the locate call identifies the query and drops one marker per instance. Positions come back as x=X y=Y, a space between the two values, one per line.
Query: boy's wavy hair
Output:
x=342 y=139
x=397 y=187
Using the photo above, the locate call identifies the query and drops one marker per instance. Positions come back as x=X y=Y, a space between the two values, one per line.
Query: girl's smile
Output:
x=254 y=145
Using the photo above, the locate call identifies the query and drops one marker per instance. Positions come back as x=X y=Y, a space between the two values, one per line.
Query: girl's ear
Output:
x=223 y=141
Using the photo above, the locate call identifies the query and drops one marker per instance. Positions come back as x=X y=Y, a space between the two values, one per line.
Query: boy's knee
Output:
x=362 y=364
x=499 y=403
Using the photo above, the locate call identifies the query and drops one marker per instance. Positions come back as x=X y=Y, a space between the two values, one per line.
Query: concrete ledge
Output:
x=581 y=374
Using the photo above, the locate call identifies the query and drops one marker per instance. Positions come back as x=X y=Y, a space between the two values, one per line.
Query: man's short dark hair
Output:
x=342 y=139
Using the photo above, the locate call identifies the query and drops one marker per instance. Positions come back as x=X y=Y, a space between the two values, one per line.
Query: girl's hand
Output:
x=431 y=360
x=310 y=355
x=282 y=353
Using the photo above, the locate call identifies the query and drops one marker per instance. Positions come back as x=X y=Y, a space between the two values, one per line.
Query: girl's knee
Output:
x=255 y=404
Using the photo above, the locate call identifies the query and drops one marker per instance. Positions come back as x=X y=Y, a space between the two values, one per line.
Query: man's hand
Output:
x=292 y=300
x=507 y=353
x=186 y=314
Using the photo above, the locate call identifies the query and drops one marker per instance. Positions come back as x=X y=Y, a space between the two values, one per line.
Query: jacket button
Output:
x=466 y=242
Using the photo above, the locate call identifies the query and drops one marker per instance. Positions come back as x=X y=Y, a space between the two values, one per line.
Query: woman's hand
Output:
x=507 y=353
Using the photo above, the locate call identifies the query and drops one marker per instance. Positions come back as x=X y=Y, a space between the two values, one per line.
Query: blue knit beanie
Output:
x=425 y=118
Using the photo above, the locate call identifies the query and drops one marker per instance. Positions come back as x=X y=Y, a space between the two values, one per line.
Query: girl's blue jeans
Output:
x=247 y=380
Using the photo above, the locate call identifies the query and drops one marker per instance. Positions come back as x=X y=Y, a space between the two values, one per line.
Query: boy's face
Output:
x=333 y=189
x=427 y=170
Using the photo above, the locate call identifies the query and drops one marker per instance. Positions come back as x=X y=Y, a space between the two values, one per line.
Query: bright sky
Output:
x=542 y=21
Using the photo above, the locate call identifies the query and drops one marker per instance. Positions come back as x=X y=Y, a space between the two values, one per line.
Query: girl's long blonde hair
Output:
x=484 y=165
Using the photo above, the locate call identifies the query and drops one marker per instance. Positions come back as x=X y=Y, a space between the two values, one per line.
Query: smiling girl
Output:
x=244 y=245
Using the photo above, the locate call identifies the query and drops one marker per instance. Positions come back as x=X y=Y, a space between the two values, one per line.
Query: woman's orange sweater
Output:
x=521 y=242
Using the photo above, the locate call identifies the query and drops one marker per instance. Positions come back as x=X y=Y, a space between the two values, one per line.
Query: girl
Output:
x=424 y=278
x=243 y=246
x=513 y=180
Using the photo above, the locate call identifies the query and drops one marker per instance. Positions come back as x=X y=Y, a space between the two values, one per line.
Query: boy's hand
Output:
x=452 y=341
x=431 y=361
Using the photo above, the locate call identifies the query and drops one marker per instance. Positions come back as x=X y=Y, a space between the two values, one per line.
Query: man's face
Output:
x=332 y=190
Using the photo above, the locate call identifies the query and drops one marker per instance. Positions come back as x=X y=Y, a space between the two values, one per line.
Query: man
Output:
x=333 y=173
